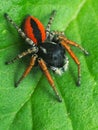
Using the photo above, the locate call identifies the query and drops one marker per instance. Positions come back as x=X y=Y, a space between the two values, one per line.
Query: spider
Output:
x=48 y=49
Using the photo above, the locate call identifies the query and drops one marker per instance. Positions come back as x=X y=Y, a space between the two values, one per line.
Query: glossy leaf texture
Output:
x=32 y=106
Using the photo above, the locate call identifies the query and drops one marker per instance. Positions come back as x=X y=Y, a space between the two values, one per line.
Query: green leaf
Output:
x=32 y=106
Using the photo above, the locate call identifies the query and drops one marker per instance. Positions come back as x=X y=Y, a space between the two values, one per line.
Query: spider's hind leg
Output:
x=20 y=31
x=50 y=22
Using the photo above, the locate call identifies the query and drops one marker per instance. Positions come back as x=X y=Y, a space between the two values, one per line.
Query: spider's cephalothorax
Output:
x=54 y=56
x=46 y=47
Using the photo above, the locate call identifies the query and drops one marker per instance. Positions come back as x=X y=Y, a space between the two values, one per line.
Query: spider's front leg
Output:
x=75 y=59
x=65 y=43
x=28 y=69
x=58 y=36
x=49 y=78
x=54 y=35
x=69 y=42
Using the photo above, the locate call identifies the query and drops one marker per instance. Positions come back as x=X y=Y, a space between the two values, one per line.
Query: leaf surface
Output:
x=32 y=106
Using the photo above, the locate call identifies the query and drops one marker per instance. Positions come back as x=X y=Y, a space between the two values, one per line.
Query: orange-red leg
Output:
x=48 y=76
x=73 y=44
x=26 y=72
x=74 y=58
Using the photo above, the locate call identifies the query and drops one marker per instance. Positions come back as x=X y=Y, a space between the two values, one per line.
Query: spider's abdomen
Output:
x=53 y=54
x=34 y=29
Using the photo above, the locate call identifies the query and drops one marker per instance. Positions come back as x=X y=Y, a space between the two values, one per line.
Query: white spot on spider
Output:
x=61 y=70
x=43 y=49
x=23 y=34
x=66 y=64
x=29 y=41
x=19 y=30
x=53 y=43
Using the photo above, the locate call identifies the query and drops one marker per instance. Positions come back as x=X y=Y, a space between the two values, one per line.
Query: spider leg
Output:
x=65 y=45
x=74 y=44
x=29 y=51
x=54 y=35
x=48 y=76
x=22 y=34
x=59 y=33
x=28 y=69
x=50 y=22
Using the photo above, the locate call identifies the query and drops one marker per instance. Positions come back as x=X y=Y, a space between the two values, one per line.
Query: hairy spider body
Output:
x=52 y=53
x=34 y=29
x=47 y=49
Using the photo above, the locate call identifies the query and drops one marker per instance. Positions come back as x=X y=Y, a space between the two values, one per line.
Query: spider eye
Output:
x=55 y=58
